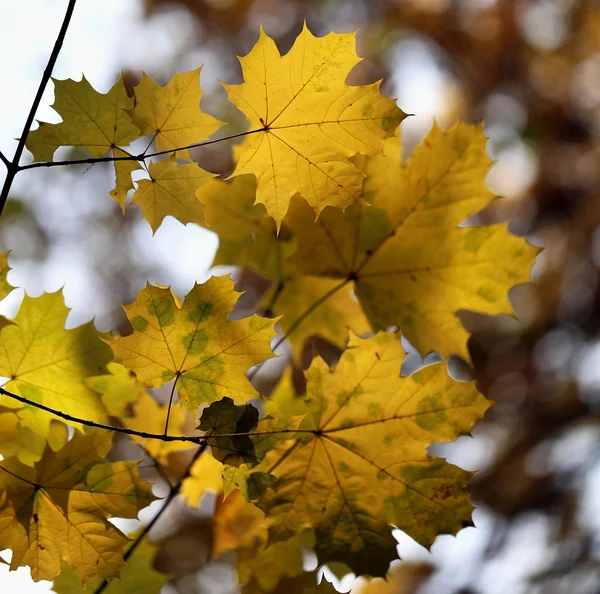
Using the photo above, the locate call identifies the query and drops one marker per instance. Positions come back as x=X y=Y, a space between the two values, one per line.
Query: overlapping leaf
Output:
x=171 y=190
x=311 y=121
x=409 y=263
x=137 y=575
x=362 y=465
x=48 y=364
x=59 y=510
x=172 y=113
x=96 y=121
x=194 y=343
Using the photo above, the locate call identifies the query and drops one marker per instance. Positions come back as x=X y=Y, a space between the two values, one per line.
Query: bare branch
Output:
x=125 y=430
x=4 y=159
x=13 y=168
x=140 y=157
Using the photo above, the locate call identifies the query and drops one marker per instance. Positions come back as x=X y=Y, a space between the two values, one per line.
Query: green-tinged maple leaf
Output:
x=172 y=113
x=96 y=121
x=171 y=190
x=48 y=364
x=205 y=475
x=407 y=260
x=137 y=576
x=247 y=234
x=59 y=510
x=5 y=287
x=313 y=121
x=194 y=343
x=362 y=465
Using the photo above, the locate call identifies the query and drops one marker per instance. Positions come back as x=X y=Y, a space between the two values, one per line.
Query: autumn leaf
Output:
x=205 y=475
x=326 y=309
x=151 y=417
x=194 y=343
x=247 y=234
x=172 y=113
x=137 y=575
x=309 y=121
x=59 y=510
x=362 y=465
x=123 y=181
x=96 y=121
x=171 y=190
x=118 y=388
x=5 y=287
x=237 y=525
x=405 y=257
x=305 y=583
x=48 y=364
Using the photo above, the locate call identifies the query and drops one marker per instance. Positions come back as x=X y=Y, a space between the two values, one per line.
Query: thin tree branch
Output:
x=140 y=157
x=4 y=159
x=168 y=500
x=199 y=440
x=13 y=168
x=125 y=430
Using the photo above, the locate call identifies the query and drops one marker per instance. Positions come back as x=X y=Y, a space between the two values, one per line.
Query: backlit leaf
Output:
x=59 y=510
x=194 y=343
x=48 y=364
x=172 y=113
x=363 y=466
x=171 y=190
x=313 y=122
x=137 y=575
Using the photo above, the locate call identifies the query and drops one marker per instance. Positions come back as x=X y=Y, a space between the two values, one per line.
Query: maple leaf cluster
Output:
x=360 y=246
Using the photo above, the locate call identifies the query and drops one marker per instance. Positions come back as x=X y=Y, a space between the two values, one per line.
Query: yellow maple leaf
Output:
x=136 y=576
x=117 y=388
x=151 y=417
x=171 y=190
x=96 y=121
x=194 y=343
x=409 y=263
x=363 y=464
x=5 y=287
x=237 y=524
x=123 y=181
x=205 y=475
x=172 y=113
x=59 y=510
x=247 y=234
x=329 y=311
x=310 y=122
x=48 y=364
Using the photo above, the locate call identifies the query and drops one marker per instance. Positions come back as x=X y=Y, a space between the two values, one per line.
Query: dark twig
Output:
x=125 y=430
x=4 y=159
x=140 y=157
x=172 y=494
x=13 y=168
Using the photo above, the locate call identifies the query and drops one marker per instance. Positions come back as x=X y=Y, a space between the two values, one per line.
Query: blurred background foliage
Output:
x=531 y=70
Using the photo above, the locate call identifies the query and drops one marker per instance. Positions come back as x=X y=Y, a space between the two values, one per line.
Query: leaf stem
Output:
x=13 y=167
